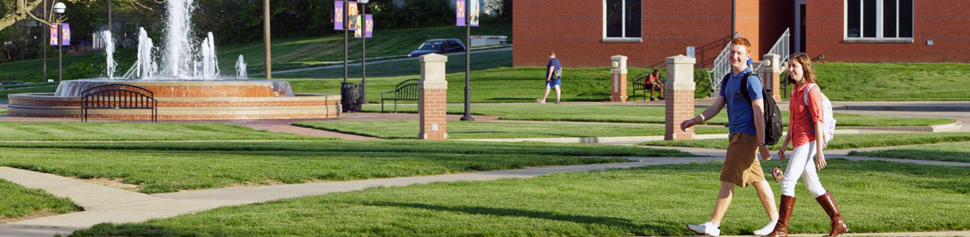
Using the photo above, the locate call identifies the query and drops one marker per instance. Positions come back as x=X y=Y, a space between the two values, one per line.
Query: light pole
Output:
x=468 y=41
x=47 y=41
x=59 y=9
x=268 y=60
x=363 y=51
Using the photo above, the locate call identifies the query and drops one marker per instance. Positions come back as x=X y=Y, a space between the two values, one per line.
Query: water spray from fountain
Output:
x=210 y=65
x=241 y=68
x=145 y=66
x=109 y=49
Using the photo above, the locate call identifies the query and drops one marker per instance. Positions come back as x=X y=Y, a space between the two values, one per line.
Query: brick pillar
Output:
x=618 y=78
x=680 y=96
x=433 y=98
x=772 y=75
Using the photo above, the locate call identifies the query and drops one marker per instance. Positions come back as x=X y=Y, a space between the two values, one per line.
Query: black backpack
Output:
x=773 y=128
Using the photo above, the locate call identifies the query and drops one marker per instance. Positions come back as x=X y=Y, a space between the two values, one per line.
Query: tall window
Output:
x=879 y=19
x=622 y=19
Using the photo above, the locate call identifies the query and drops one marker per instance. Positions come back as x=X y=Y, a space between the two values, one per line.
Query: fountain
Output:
x=188 y=85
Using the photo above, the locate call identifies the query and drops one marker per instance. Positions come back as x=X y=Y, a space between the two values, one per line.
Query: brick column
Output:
x=433 y=98
x=680 y=96
x=771 y=75
x=618 y=78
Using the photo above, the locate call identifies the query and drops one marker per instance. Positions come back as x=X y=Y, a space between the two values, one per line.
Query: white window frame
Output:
x=880 y=20
x=622 y=39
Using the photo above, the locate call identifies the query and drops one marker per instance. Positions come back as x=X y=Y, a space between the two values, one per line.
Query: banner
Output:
x=357 y=30
x=352 y=13
x=65 y=39
x=476 y=9
x=338 y=15
x=370 y=26
x=460 y=12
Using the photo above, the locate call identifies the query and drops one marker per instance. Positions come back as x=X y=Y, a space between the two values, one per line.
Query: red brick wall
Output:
x=432 y=103
x=574 y=29
x=680 y=107
x=943 y=21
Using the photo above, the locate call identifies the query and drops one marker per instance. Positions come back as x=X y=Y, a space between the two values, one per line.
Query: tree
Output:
x=19 y=10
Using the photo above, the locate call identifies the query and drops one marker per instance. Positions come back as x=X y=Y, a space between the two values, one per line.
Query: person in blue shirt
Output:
x=746 y=124
x=553 y=78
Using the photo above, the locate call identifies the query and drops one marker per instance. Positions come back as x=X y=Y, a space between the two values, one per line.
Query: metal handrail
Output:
x=722 y=65
x=781 y=48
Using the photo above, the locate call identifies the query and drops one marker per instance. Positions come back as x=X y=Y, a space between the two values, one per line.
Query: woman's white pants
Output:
x=802 y=164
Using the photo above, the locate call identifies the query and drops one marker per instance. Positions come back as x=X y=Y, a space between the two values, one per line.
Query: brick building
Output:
x=586 y=33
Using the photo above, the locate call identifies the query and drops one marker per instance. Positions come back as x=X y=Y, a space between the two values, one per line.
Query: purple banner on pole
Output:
x=65 y=39
x=370 y=26
x=352 y=14
x=460 y=12
x=338 y=15
x=475 y=12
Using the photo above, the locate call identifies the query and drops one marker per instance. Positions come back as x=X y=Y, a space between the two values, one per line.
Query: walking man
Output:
x=553 y=78
x=747 y=137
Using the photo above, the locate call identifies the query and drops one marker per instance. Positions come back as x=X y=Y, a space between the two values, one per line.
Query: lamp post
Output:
x=363 y=51
x=59 y=8
x=47 y=41
x=468 y=41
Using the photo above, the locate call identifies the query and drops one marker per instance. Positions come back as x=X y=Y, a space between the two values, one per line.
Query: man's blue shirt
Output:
x=553 y=63
x=740 y=116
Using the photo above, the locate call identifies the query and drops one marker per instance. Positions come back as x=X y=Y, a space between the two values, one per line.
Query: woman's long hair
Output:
x=808 y=73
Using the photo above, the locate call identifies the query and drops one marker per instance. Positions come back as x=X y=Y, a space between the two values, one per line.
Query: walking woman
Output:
x=805 y=122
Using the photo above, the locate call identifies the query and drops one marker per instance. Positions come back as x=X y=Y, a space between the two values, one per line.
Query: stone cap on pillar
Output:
x=618 y=64
x=433 y=71
x=772 y=62
x=680 y=73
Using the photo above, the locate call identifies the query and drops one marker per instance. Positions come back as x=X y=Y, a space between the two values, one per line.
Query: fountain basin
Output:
x=186 y=100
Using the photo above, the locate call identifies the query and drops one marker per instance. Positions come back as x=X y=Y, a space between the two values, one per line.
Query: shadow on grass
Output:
x=660 y=227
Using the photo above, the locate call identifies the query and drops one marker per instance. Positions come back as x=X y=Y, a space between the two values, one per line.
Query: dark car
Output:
x=438 y=46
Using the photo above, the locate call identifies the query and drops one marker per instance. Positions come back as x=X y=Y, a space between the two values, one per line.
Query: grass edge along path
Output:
x=19 y=202
x=840 y=141
x=657 y=200
x=954 y=152
x=169 y=167
x=636 y=114
x=408 y=129
x=105 y=131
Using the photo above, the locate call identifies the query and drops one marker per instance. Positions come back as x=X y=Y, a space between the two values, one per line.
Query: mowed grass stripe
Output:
x=658 y=200
x=171 y=167
x=408 y=129
x=843 y=141
x=73 y=131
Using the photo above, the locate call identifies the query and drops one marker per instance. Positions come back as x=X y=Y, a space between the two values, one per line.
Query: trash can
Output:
x=350 y=94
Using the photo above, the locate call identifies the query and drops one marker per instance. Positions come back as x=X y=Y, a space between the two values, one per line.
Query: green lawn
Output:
x=58 y=131
x=37 y=89
x=894 y=81
x=634 y=114
x=20 y=202
x=958 y=152
x=3 y=111
x=412 y=68
x=841 y=141
x=519 y=84
x=480 y=130
x=659 y=200
x=288 y=53
x=172 y=166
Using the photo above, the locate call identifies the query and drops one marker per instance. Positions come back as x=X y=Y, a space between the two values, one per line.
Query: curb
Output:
x=935 y=128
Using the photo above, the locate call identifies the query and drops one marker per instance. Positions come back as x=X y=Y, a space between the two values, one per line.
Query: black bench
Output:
x=118 y=96
x=639 y=84
x=407 y=90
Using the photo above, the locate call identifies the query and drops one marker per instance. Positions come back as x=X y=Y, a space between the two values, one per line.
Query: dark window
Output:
x=633 y=18
x=889 y=19
x=869 y=18
x=906 y=18
x=614 y=18
x=853 y=30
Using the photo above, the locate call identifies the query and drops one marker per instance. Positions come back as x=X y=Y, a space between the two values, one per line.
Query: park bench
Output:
x=407 y=90
x=640 y=84
x=118 y=96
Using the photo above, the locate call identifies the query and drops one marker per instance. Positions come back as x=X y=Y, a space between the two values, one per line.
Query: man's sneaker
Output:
x=767 y=229
x=652 y=99
x=705 y=229
x=557 y=102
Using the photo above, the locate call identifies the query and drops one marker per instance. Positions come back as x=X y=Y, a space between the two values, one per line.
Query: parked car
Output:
x=438 y=46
